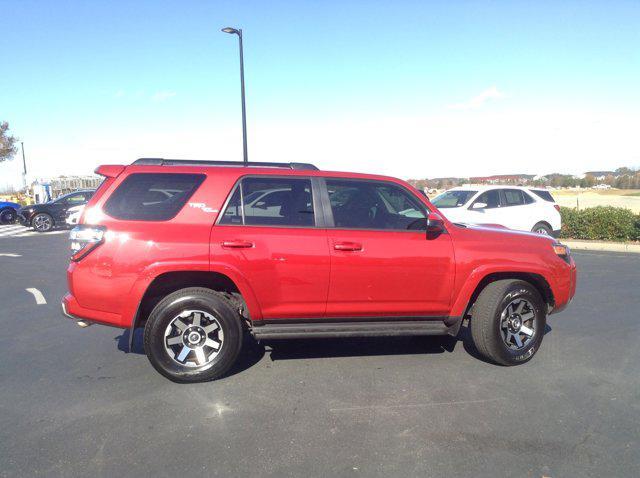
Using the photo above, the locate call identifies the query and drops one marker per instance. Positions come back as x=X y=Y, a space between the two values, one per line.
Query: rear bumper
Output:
x=72 y=310
x=556 y=233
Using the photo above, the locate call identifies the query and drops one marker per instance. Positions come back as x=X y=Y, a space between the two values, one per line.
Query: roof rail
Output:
x=236 y=164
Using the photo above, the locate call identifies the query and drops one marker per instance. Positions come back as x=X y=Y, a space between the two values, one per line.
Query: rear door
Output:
x=271 y=231
x=381 y=261
x=517 y=208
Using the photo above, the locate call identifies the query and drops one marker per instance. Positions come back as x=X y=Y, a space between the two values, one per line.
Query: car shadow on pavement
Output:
x=358 y=347
x=253 y=351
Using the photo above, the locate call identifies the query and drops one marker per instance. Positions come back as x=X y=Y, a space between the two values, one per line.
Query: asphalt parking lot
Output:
x=73 y=402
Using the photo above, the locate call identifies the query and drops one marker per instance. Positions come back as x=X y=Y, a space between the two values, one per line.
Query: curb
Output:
x=602 y=246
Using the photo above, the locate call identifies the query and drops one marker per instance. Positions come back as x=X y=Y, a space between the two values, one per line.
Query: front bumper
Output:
x=556 y=233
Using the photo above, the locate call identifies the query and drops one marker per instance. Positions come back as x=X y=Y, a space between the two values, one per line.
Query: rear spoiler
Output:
x=109 y=170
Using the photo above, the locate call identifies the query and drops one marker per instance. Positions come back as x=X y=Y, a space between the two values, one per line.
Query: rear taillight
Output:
x=557 y=207
x=85 y=238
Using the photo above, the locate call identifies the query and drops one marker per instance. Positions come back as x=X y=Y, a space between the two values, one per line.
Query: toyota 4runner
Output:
x=202 y=252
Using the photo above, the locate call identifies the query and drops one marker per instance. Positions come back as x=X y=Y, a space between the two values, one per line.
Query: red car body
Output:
x=289 y=272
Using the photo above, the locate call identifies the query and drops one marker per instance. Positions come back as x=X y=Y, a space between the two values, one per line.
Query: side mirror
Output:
x=479 y=205
x=435 y=226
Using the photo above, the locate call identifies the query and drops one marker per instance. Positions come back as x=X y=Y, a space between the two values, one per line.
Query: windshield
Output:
x=453 y=199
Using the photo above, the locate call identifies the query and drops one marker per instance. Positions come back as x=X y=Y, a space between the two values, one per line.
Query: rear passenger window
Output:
x=152 y=197
x=274 y=202
x=512 y=197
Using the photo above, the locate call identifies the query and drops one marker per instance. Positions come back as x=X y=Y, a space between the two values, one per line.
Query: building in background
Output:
x=43 y=190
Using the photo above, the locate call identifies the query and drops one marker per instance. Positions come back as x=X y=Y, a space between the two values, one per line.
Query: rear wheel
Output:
x=42 y=222
x=508 y=321
x=193 y=335
x=542 y=228
x=7 y=216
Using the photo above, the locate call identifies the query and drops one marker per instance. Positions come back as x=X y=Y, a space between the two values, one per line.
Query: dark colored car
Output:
x=8 y=212
x=44 y=217
x=201 y=253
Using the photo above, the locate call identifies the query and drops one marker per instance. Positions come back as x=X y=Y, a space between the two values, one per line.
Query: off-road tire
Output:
x=193 y=298
x=486 y=324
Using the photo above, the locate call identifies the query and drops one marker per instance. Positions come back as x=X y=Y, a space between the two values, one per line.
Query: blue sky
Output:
x=410 y=89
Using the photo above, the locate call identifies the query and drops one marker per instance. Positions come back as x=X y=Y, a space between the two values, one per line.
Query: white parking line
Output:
x=3 y=254
x=38 y=295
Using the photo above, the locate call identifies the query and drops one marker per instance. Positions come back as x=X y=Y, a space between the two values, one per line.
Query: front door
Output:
x=270 y=233
x=381 y=261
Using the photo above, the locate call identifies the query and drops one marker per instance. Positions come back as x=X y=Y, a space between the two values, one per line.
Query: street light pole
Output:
x=237 y=31
x=24 y=167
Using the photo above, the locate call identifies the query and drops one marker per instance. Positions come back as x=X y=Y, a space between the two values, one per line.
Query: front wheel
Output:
x=508 y=322
x=193 y=335
x=42 y=222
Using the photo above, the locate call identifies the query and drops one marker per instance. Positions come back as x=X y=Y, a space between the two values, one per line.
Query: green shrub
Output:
x=604 y=223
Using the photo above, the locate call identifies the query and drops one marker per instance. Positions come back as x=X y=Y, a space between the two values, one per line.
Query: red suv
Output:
x=200 y=252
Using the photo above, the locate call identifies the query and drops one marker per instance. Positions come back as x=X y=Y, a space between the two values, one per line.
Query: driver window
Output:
x=374 y=205
x=490 y=198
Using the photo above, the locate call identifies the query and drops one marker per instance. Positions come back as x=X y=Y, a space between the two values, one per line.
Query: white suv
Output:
x=523 y=209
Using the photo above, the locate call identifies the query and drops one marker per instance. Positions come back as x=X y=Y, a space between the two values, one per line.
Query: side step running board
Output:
x=391 y=328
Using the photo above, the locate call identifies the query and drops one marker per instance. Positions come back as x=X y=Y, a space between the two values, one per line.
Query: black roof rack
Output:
x=235 y=164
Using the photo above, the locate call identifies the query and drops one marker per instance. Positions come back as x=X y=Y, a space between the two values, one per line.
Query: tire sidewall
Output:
x=514 y=357
x=164 y=313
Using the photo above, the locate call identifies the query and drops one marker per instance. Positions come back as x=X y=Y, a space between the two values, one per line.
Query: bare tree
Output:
x=7 y=143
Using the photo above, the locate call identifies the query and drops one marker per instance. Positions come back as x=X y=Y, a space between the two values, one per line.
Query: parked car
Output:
x=8 y=212
x=44 y=217
x=337 y=255
x=73 y=215
x=519 y=208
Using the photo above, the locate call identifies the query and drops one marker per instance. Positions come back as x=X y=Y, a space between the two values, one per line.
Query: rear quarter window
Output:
x=546 y=195
x=152 y=196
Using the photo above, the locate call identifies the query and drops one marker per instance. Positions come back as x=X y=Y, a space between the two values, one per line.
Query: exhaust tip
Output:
x=83 y=323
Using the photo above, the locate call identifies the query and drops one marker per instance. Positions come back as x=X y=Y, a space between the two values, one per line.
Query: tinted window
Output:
x=152 y=197
x=374 y=205
x=546 y=195
x=490 y=198
x=512 y=197
x=271 y=202
x=77 y=199
x=453 y=199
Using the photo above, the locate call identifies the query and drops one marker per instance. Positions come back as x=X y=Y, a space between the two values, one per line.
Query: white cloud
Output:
x=160 y=96
x=477 y=101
